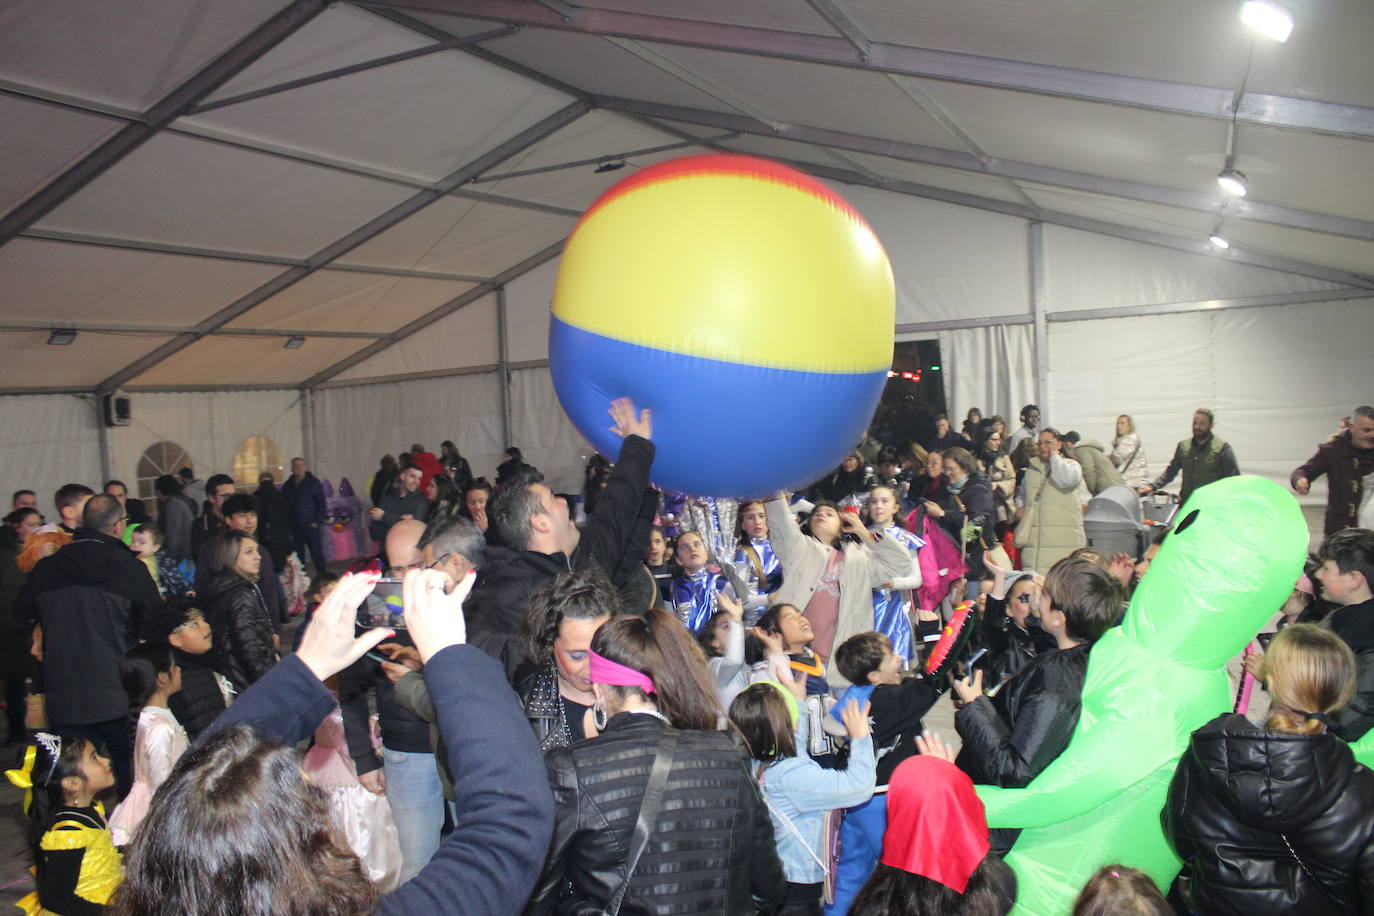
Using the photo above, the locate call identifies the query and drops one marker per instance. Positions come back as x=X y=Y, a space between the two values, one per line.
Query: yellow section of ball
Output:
x=732 y=267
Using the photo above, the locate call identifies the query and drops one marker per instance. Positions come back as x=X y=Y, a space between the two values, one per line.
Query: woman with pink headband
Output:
x=659 y=811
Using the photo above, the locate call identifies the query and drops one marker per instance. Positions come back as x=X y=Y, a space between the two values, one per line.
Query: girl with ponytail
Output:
x=76 y=865
x=660 y=758
x=151 y=675
x=1278 y=818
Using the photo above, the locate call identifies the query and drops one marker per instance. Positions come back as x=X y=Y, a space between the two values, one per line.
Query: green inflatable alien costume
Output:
x=1237 y=549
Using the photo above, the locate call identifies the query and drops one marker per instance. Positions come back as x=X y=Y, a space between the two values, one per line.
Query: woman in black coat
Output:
x=713 y=850
x=233 y=603
x=1279 y=818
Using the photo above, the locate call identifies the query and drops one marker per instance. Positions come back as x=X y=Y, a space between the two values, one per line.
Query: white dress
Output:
x=158 y=745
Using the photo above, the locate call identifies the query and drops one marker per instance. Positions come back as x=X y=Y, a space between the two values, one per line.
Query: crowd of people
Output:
x=633 y=701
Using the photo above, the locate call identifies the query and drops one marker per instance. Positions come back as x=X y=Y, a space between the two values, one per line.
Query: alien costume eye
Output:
x=1192 y=517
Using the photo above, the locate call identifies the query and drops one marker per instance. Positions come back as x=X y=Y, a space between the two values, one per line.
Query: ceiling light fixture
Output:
x=1269 y=19
x=1233 y=181
x=60 y=337
x=293 y=343
x=610 y=164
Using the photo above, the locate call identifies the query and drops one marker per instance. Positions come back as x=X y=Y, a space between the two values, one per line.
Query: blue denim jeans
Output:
x=861 y=845
x=417 y=806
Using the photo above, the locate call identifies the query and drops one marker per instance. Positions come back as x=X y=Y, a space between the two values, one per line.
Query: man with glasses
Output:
x=211 y=522
x=91 y=598
x=406 y=773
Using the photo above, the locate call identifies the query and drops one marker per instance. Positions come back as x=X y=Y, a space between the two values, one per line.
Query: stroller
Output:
x=1114 y=523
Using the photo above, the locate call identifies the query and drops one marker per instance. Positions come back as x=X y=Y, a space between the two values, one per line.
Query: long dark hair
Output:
x=55 y=758
x=139 y=670
x=235 y=829
x=893 y=892
x=761 y=717
x=567 y=596
x=660 y=646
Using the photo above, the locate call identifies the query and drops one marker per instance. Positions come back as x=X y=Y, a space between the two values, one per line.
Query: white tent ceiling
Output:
x=187 y=183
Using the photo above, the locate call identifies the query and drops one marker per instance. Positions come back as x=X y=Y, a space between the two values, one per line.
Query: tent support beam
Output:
x=432 y=374
x=443 y=311
x=360 y=67
x=221 y=254
x=1020 y=76
x=521 y=141
x=1035 y=265
x=1085 y=224
x=1211 y=204
x=15 y=324
x=503 y=366
x=308 y=427
x=167 y=109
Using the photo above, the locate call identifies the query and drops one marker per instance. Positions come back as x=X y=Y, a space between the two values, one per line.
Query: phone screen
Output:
x=382 y=607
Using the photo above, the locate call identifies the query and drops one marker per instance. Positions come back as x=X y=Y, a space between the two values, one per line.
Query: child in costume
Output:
x=756 y=561
x=893 y=608
x=898 y=704
x=151 y=675
x=204 y=693
x=75 y=863
x=799 y=793
x=793 y=632
x=696 y=586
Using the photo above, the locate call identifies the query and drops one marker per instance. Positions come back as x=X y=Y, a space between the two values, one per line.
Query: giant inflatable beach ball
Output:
x=743 y=302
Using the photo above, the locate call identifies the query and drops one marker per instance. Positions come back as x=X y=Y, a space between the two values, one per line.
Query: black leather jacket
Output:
x=1008 y=739
x=1243 y=795
x=241 y=626
x=712 y=849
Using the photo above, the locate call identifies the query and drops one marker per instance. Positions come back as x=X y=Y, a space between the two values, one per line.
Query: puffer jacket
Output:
x=1354 y=624
x=1246 y=803
x=712 y=850
x=241 y=625
x=1010 y=648
x=200 y=699
x=1055 y=529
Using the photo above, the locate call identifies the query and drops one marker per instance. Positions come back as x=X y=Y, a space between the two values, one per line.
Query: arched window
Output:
x=255 y=455
x=158 y=459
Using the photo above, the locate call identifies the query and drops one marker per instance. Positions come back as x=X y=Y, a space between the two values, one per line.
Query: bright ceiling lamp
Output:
x=1219 y=241
x=1232 y=181
x=1269 y=19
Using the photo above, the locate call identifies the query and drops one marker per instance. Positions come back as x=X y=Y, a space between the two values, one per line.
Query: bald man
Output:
x=406 y=773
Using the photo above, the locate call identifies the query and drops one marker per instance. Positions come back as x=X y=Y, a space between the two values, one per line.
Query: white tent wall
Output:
x=1278 y=377
x=50 y=440
x=210 y=426
x=542 y=431
x=355 y=426
x=991 y=368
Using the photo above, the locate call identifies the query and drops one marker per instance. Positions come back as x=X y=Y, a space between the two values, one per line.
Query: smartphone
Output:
x=382 y=607
x=977 y=654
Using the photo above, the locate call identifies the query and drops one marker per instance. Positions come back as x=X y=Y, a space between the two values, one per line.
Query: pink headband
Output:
x=605 y=671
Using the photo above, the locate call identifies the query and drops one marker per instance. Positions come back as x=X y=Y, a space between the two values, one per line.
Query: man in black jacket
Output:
x=544 y=541
x=305 y=504
x=91 y=598
x=1346 y=575
x=210 y=521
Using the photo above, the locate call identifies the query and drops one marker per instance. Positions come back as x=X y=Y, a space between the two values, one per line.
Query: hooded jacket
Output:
x=91 y=597
x=242 y=627
x=1098 y=471
x=1242 y=796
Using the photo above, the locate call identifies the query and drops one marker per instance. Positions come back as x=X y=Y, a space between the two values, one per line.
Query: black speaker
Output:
x=118 y=409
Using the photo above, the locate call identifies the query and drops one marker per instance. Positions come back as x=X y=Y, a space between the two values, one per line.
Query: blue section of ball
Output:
x=721 y=428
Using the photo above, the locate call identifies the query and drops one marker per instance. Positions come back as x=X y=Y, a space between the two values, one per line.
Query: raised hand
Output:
x=329 y=645
x=434 y=616
x=930 y=745
x=627 y=422
x=856 y=718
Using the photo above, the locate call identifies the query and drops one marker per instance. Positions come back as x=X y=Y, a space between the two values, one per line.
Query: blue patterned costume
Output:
x=892 y=607
x=756 y=603
x=694 y=597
